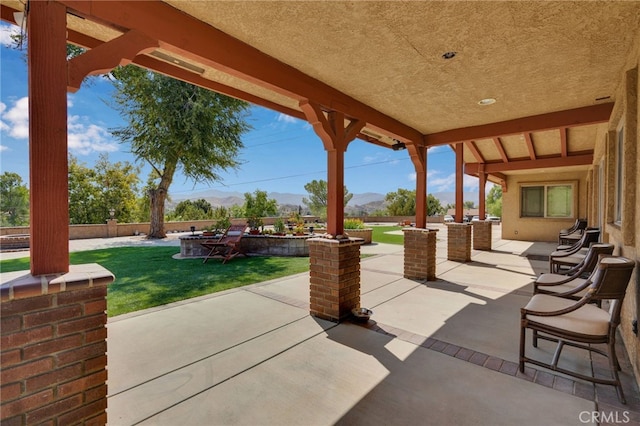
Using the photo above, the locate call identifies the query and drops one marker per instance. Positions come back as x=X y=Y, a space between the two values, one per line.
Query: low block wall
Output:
x=268 y=245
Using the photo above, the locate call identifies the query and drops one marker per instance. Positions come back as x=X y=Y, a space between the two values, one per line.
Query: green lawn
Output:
x=149 y=276
x=379 y=235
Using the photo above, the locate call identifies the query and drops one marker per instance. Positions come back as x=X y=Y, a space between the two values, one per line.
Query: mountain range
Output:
x=367 y=202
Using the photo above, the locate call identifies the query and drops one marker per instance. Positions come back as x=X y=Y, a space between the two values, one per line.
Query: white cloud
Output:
x=3 y=148
x=6 y=31
x=411 y=177
x=85 y=138
x=441 y=184
x=283 y=118
x=15 y=120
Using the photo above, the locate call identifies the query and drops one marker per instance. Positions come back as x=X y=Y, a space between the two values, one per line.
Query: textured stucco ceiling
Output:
x=532 y=57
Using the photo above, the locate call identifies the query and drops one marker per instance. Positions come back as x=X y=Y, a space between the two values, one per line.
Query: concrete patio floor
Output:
x=442 y=352
x=439 y=352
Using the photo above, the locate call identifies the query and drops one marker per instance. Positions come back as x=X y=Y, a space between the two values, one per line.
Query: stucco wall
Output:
x=515 y=227
x=625 y=236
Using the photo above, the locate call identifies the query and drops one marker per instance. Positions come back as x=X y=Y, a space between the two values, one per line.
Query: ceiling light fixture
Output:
x=486 y=101
x=448 y=55
x=398 y=146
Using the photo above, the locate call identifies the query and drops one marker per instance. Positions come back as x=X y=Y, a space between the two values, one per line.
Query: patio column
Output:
x=54 y=349
x=482 y=235
x=482 y=176
x=420 y=254
x=459 y=242
x=48 y=181
x=335 y=261
x=459 y=182
x=335 y=138
x=418 y=155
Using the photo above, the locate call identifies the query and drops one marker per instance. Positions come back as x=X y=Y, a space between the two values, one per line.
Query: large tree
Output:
x=494 y=201
x=401 y=203
x=173 y=125
x=14 y=200
x=433 y=205
x=317 y=201
x=94 y=191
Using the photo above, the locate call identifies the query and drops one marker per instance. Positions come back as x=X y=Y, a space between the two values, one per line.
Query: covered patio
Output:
x=525 y=93
x=437 y=352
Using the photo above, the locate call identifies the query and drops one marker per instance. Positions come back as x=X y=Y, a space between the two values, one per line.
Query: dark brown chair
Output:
x=581 y=324
x=563 y=284
x=573 y=234
x=226 y=247
x=569 y=256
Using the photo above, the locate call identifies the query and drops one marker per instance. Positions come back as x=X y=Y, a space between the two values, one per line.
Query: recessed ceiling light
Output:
x=487 y=101
x=448 y=55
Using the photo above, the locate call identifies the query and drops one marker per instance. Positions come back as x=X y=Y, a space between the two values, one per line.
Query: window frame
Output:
x=619 y=179
x=545 y=185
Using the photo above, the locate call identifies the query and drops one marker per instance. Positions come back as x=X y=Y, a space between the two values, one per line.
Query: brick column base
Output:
x=334 y=277
x=54 y=349
x=420 y=254
x=482 y=235
x=459 y=242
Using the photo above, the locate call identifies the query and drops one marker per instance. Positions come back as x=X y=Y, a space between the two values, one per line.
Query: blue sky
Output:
x=281 y=153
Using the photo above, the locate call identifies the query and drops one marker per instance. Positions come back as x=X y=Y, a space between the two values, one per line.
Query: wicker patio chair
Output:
x=581 y=324
x=573 y=234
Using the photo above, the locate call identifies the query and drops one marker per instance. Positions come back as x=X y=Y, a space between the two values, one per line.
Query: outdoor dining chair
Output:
x=228 y=246
x=570 y=256
x=562 y=284
x=573 y=234
x=581 y=323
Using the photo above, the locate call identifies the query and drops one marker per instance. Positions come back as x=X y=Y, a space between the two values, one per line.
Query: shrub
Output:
x=353 y=224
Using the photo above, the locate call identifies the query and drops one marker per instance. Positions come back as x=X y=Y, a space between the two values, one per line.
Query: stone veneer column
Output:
x=482 y=235
x=334 y=277
x=459 y=242
x=420 y=253
x=53 y=343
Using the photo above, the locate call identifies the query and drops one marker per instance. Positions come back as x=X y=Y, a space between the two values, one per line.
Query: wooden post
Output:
x=48 y=167
x=418 y=155
x=481 y=193
x=459 y=182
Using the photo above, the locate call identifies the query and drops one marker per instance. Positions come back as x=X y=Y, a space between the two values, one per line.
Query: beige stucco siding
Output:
x=515 y=227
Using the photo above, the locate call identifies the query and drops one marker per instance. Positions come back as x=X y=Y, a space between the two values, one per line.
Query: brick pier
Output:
x=459 y=242
x=54 y=347
x=334 y=277
x=420 y=253
x=482 y=235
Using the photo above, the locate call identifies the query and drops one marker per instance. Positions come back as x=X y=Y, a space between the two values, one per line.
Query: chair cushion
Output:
x=554 y=278
x=569 y=260
x=588 y=319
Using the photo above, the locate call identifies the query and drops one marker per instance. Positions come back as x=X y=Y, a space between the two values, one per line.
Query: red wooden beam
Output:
x=563 y=141
x=48 y=168
x=474 y=150
x=529 y=141
x=541 y=163
x=185 y=35
x=569 y=118
x=501 y=150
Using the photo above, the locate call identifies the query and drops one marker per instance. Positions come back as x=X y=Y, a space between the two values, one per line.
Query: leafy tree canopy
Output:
x=173 y=125
x=433 y=206
x=401 y=203
x=93 y=192
x=494 y=201
x=317 y=201
x=14 y=200
x=192 y=210
x=257 y=206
